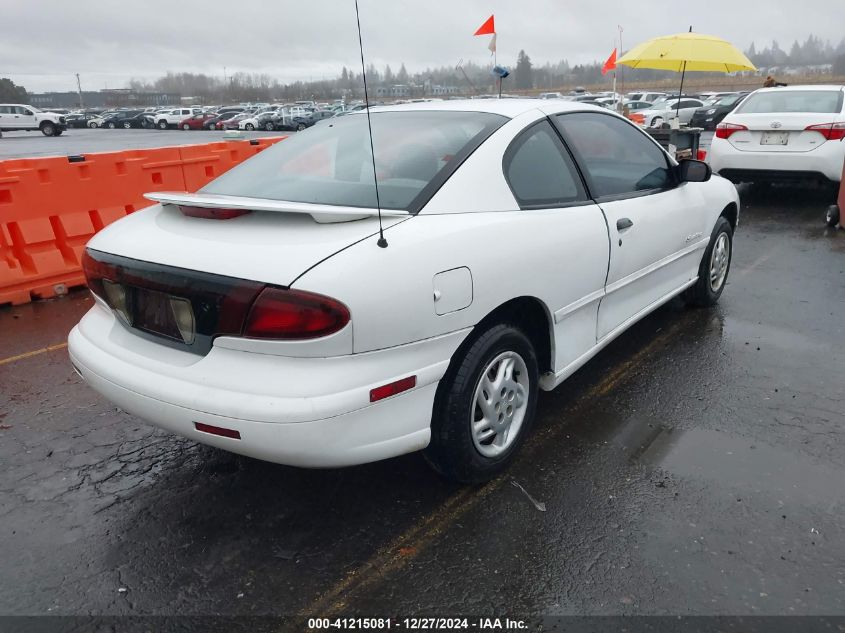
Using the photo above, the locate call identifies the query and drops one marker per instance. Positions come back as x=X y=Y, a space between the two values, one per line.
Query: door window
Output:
x=619 y=159
x=23 y=111
x=540 y=171
x=6 y=110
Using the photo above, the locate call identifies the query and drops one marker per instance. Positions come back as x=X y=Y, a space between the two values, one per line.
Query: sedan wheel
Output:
x=186 y=127
x=249 y=127
x=162 y=125
x=269 y=126
x=111 y=126
x=484 y=405
x=831 y=218
x=657 y=121
x=127 y=125
x=300 y=127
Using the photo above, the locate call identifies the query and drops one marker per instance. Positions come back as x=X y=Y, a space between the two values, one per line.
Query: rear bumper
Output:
x=823 y=163
x=308 y=412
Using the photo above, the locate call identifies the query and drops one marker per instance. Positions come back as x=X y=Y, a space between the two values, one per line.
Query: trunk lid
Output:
x=273 y=247
x=779 y=132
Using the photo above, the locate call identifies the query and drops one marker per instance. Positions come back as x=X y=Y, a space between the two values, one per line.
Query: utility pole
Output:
x=79 y=90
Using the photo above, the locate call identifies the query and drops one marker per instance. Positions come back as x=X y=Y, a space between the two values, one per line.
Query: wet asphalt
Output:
x=74 y=141
x=694 y=467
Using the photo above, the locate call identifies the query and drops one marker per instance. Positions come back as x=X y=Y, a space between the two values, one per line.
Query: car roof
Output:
x=831 y=87
x=506 y=107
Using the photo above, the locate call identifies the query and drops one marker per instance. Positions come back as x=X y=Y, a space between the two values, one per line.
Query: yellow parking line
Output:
x=35 y=352
x=409 y=545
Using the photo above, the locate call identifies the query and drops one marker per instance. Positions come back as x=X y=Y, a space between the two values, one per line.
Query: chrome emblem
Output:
x=776 y=124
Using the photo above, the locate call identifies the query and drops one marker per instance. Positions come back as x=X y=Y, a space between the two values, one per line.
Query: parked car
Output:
x=123 y=119
x=259 y=315
x=197 y=121
x=793 y=133
x=646 y=96
x=97 y=121
x=710 y=115
x=16 y=116
x=263 y=121
x=232 y=123
x=667 y=109
x=173 y=117
x=297 y=123
x=80 y=119
x=551 y=95
x=211 y=124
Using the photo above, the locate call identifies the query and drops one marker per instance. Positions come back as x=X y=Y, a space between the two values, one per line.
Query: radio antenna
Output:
x=381 y=241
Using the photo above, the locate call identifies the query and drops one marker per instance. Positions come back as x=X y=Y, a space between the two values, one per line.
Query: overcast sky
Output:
x=44 y=42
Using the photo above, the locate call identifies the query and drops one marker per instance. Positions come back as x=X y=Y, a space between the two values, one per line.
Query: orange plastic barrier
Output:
x=50 y=207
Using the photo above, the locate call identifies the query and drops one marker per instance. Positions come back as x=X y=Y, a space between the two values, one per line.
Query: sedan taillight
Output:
x=278 y=313
x=725 y=130
x=831 y=131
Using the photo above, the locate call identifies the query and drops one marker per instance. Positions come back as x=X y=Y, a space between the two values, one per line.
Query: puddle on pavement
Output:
x=736 y=463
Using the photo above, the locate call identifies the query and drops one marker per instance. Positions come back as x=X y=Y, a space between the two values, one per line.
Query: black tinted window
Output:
x=618 y=157
x=539 y=170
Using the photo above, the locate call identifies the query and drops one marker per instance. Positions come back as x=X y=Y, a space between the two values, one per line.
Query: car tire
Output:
x=656 y=121
x=714 y=268
x=48 y=129
x=300 y=127
x=162 y=125
x=186 y=127
x=269 y=126
x=831 y=218
x=58 y=132
x=249 y=127
x=127 y=126
x=463 y=446
x=111 y=125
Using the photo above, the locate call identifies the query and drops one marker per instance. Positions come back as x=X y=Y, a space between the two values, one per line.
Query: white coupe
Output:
x=265 y=316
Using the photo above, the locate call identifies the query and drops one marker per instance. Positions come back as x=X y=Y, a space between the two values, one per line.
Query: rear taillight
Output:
x=294 y=314
x=725 y=130
x=831 y=131
x=212 y=214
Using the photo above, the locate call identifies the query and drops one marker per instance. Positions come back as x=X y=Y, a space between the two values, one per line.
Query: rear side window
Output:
x=618 y=158
x=539 y=170
x=778 y=101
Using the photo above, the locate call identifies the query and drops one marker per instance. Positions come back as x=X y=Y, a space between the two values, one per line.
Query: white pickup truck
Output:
x=15 y=116
x=164 y=120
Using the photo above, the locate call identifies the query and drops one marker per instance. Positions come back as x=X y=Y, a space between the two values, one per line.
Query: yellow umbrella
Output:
x=687 y=51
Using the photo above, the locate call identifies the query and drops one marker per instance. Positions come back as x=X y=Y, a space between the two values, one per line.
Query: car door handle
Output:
x=623 y=224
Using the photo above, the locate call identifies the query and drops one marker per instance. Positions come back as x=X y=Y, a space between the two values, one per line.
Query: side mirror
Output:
x=694 y=171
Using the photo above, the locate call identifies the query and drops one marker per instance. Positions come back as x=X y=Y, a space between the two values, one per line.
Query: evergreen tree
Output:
x=524 y=78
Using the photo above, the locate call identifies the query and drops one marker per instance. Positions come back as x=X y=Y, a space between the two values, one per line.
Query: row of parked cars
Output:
x=652 y=109
x=269 y=117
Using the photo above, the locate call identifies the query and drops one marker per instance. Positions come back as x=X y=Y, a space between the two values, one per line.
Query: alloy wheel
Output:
x=719 y=260
x=500 y=404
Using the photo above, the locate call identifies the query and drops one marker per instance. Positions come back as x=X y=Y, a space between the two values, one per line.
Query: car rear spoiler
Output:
x=322 y=213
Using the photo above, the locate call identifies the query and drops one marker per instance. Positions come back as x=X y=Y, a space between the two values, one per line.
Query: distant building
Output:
x=441 y=91
x=108 y=98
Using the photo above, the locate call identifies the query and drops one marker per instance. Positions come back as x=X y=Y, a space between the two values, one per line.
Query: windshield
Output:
x=729 y=100
x=829 y=101
x=332 y=163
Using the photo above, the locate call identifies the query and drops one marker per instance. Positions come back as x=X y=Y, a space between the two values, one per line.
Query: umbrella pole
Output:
x=680 y=92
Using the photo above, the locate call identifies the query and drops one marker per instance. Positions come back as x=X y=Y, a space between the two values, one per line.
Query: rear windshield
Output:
x=829 y=101
x=331 y=163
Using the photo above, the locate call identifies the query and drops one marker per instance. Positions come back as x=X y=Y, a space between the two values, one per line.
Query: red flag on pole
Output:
x=488 y=28
x=610 y=64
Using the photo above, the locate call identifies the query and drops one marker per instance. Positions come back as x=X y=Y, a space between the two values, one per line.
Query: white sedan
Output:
x=266 y=315
x=793 y=132
x=665 y=110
